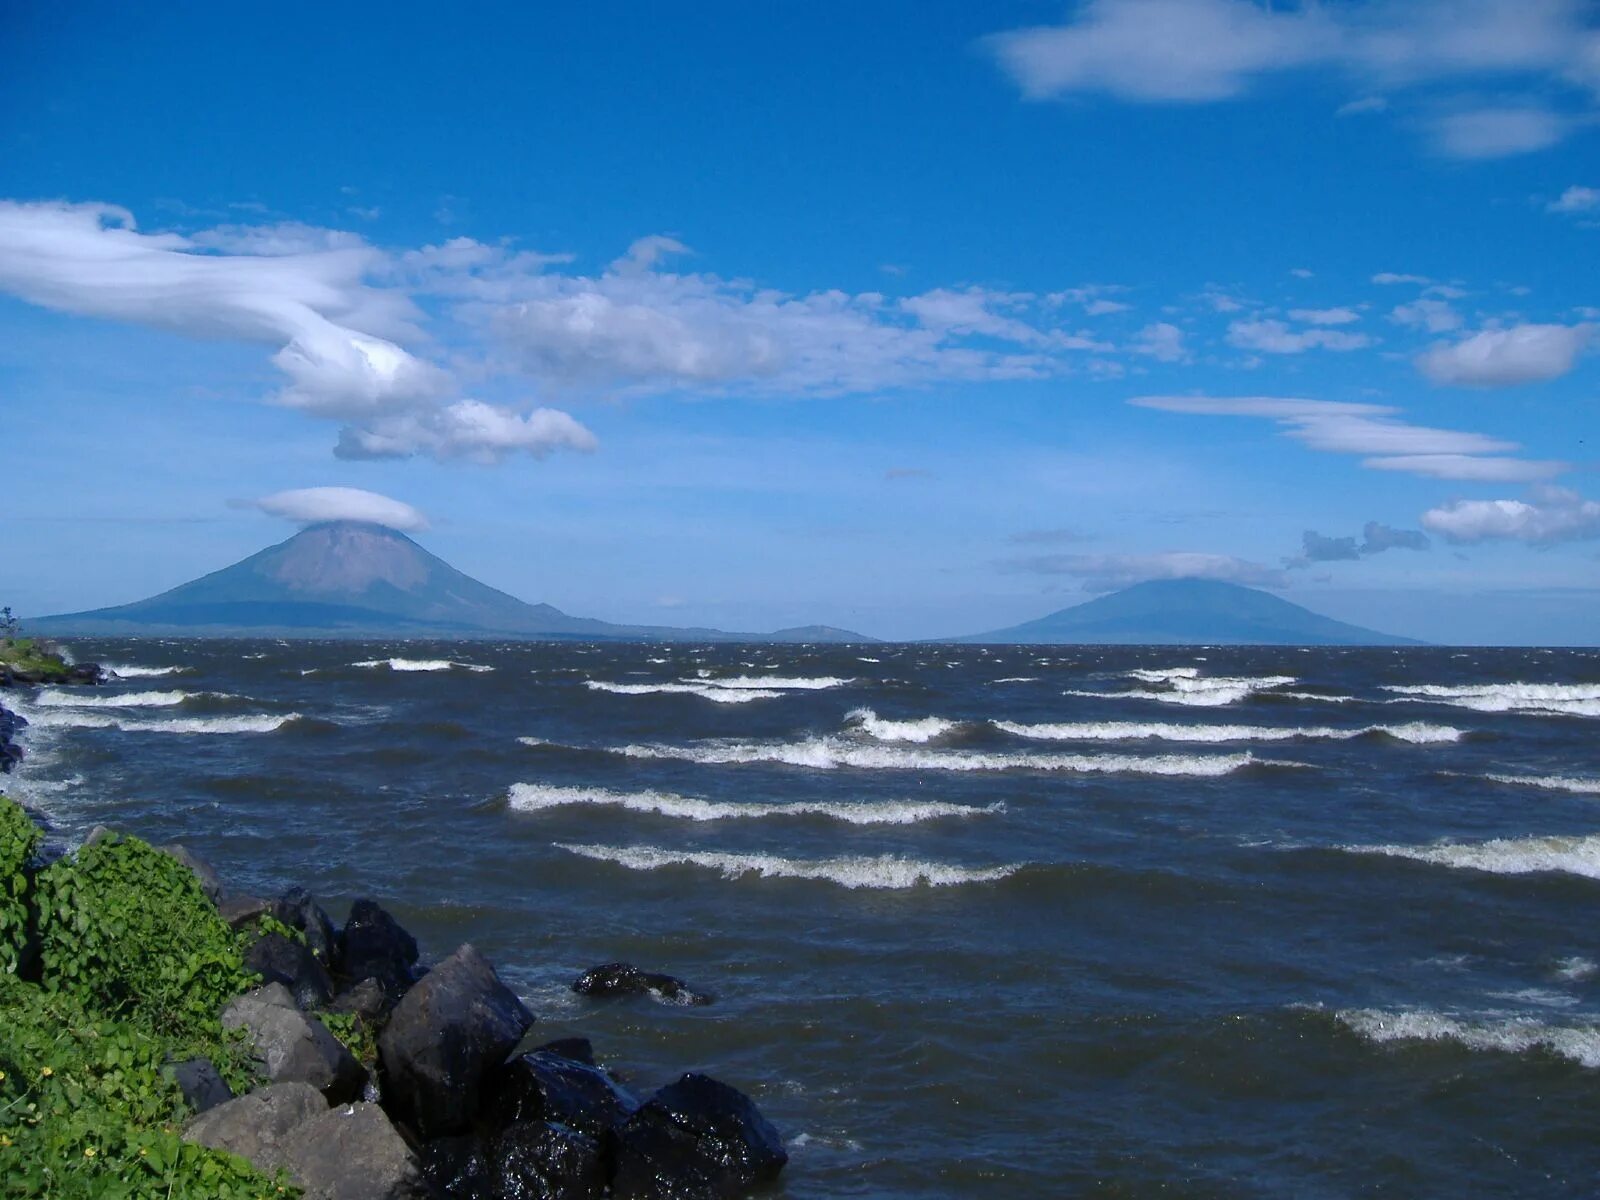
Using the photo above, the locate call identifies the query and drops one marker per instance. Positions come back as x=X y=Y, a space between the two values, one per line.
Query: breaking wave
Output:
x=882 y=871
x=53 y=698
x=829 y=753
x=1506 y=1032
x=419 y=664
x=533 y=797
x=1186 y=687
x=1118 y=731
x=923 y=729
x=1564 y=699
x=1557 y=783
x=787 y=683
x=1505 y=856
x=63 y=718
x=718 y=694
x=124 y=671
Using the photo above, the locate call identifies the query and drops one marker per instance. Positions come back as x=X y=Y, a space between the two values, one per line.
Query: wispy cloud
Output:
x=1109 y=572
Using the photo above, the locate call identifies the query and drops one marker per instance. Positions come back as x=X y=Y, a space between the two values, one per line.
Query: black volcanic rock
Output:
x=696 y=1139
x=374 y=946
x=625 y=979
x=1181 y=612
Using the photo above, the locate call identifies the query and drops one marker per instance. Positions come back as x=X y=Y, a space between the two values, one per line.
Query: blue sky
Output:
x=914 y=318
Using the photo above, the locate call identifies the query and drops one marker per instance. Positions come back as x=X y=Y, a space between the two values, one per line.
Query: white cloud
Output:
x=467 y=429
x=1390 y=278
x=1553 y=515
x=1436 y=316
x=1325 y=316
x=308 y=506
x=1199 y=51
x=1160 y=341
x=1575 y=199
x=1370 y=430
x=1498 y=132
x=1109 y=572
x=1275 y=337
x=307 y=291
x=1506 y=357
x=1482 y=469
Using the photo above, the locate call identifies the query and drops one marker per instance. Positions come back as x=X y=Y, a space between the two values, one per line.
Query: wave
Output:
x=1017 y=679
x=718 y=694
x=534 y=797
x=1576 y=855
x=1165 y=673
x=73 y=719
x=1212 y=692
x=1565 y=699
x=1506 y=1032
x=125 y=671
x=1117 y=731
x=1558 y=783
x=419 y=664
x=923 y=729
x=53 y=698
x=884 y=871
x=829 y=753
x=787 y=683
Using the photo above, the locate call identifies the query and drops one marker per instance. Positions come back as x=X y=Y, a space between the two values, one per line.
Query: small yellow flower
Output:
x=47 y=1072
x=88 y=1151
x=4 y=1141
x=143 y=1151
x=2 y=1076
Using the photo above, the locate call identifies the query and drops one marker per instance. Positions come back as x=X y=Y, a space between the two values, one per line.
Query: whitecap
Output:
x=1506 y=1032
x=1117 y=731
x=419 y=664
x=719 y=694
x=882 y=871
x=53 y=698
x=534 y=797
x=781 y=682
x=1017 y=679
x=1560 y=699
x=1575 y=855
x=126 y=671
x=829 y=753
x=1558 y=783
x=1163 y=674
x=60 y=718
x=923 y=729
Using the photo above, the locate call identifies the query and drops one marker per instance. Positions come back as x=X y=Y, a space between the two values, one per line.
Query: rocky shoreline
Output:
x=375 y=1077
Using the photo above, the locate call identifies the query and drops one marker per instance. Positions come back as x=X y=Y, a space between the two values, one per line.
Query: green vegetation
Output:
x=136 y=965
x=28 y=656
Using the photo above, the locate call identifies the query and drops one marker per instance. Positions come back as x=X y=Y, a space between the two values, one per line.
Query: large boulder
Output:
x=542 y=1086
x=256 y=1125
x=374 y=946
x=449 y=1032
x=294 y=1046
x=280 y=959
x=352 y=1153
x=202 y=1086
x=625 y=979
x=210 y=882
x=696 y=1139
x=537 y=1160
x=298 y=909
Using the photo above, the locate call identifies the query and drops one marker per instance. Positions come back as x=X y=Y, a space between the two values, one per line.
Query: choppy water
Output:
x=982 y=923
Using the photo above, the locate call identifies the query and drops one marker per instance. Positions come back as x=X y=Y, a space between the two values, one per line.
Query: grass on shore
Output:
x=31 y=656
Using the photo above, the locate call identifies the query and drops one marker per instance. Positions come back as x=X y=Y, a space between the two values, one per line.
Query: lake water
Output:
x=981 y=922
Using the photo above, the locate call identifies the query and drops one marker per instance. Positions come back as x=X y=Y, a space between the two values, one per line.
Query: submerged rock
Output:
x=294 y=1046
x=625 y=979
x=696 y=1139
x=374 y=946
x=578 y=1049
x=449 y=1032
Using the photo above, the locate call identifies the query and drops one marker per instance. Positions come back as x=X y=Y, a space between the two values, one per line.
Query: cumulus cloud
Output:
x=1391 y=278
x=306 y=291
x=1552 y=515
x=1366 y=429
x=1325 y=316
x=1436 y=316
x=307 y=506
x=1202 y=51
x=1506 y=357
x=1109 y=572
x=1160 y=341
x=1575 y=199
x=1275 y=337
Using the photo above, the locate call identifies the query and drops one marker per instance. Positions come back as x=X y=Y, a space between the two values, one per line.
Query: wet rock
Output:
x=457 y=1167
x=280 y=959
x=366 y=999
x=578 y=1049
x=298 y=909
x=294 y=1046
x=696 y=1139
x=256 y=1124
x=537 y=1160
x=547 y=1087
x=210 y=882
x=352 y=1153
x=625 y=979
x=202 y=1087
x=374 y=946
x=450 y=1031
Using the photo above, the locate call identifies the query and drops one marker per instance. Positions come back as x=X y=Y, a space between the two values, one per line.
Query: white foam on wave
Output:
x=1165 y=673
x=65 y=718
x=1562 y=699
x=1506 y=1032
x=1557 y=783
x=829 y=753
x=420 y=664
x=1018 y=679
x=718 y=694
x=128 y=671
x=787 y=683
x=1117 y=731
x=535 y=797
x=922 y=729
x=883 y=871
x=1505 y=856
x=1195 y=692
x=53 y=698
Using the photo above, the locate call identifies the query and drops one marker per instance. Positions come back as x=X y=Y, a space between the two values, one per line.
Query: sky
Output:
x=914 y=318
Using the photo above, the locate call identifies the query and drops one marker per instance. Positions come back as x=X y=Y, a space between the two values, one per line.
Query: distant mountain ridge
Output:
x=1166 y=612
x=349 y=578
